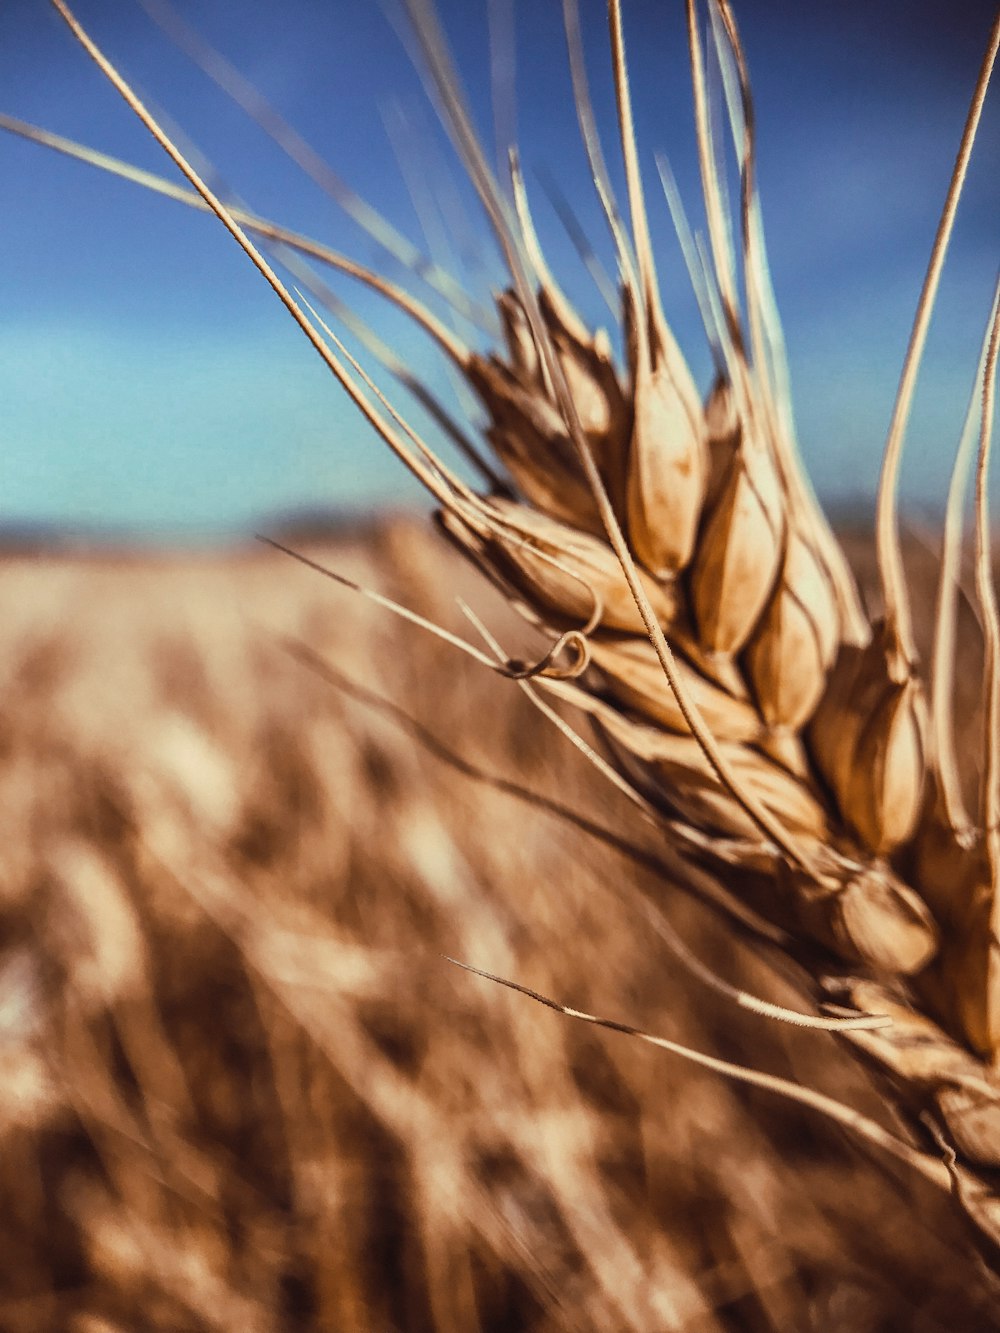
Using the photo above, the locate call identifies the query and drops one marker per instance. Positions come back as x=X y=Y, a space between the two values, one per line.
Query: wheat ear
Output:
x=722 y=659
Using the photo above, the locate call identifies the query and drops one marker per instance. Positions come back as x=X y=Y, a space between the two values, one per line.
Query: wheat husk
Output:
x=931 y=1071
x=723 y=432
x=667 y=463
x=632 y=673
x=972 y=969
x=865 y=912
x=883 y=799
x=604 y=412
x=962 y=985
x=868 y=739
x=794 y=644
x=570 y=572
x=587 y=364
x=522 y=354
x=739 y=553
x=673 y=766
x=531 y=440
x=682 y=773
x=947 y=863
x=666 y=476
x=953 y=871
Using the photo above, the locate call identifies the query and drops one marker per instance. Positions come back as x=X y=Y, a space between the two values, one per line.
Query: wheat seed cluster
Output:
x=698 y=609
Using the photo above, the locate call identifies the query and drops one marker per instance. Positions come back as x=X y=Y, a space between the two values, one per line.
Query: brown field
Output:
x=245 y=815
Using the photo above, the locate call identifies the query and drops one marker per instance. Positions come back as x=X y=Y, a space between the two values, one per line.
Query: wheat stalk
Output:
x=702 y=615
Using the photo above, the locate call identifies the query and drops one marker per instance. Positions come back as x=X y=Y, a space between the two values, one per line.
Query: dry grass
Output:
x=243 y=1089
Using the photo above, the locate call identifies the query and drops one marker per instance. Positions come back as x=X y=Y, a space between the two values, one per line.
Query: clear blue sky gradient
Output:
x=150 y=384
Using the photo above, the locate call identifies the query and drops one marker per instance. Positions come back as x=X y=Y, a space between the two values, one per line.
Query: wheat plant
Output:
x=707 y=648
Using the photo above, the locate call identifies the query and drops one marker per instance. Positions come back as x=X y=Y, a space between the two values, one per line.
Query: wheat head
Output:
x=701 y=613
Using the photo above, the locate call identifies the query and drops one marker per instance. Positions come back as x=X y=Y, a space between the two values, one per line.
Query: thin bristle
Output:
x=890 y=558
x=637 y=203
x=544 y=278
x=503 y=79
x=987 y=594
x=627 y=263
x=449 y=342
x=715 y=213
x=693 y=260
x=246 y=95
x=580 y=241
x=929 y=1167
x=946 y=609
x=427 y=476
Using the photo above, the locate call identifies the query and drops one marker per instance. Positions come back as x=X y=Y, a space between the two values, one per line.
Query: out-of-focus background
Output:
x=152 y=385
x=241 y=821
x=243 y=813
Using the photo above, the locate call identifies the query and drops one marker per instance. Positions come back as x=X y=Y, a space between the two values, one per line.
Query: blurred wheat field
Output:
x=242 y=1087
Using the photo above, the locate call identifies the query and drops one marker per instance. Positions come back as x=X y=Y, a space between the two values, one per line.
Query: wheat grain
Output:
x=739 y=552
x=793 y=647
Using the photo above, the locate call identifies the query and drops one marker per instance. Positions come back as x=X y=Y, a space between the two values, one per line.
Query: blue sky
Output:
x=151 y=385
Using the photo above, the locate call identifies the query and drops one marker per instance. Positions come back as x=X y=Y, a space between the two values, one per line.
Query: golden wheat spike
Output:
x=673 y=550
x=457 y=117
x=687 y=707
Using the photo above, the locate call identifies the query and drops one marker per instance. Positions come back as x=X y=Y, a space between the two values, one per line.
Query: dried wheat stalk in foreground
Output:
x=704 y=617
